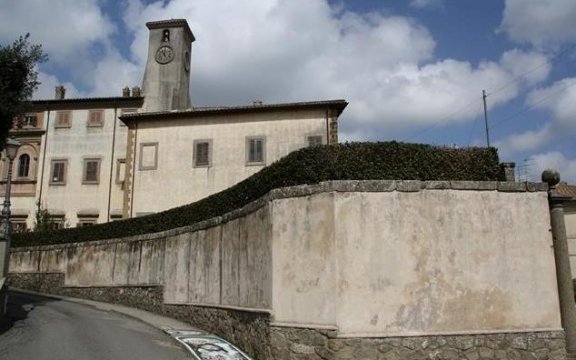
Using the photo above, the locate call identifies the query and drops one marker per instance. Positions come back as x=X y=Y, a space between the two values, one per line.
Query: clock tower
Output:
x=166 y=84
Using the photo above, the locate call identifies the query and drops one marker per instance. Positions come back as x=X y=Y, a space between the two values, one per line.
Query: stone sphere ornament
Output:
x=551 y=176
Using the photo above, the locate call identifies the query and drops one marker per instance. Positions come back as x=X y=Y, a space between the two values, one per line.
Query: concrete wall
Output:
x=366 y=259
x=426 y=262
x=227 y=264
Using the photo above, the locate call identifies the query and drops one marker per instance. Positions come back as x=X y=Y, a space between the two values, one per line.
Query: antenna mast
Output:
x=486 y=118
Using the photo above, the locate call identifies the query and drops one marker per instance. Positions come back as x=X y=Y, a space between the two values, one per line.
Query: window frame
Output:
x=58 y=123
x=141 y=166
x=249 y=161
x=85 y=162
x=195 y=153
x=19 y=221
x=19 y=164
x=65 y=171
x=84 y=220
x=119 y=162
x=92 y=124
x=57 y=222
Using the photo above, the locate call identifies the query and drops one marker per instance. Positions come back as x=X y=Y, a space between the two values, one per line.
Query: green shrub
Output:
x=350 y=161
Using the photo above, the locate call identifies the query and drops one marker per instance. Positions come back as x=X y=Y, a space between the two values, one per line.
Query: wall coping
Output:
x=307 y=190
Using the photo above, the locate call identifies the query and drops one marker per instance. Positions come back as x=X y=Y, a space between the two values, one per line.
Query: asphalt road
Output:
x=43 y=328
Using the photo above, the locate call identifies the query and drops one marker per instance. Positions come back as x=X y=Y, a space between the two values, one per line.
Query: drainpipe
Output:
x=112 y=162
x=44 y=157
x=562 y=257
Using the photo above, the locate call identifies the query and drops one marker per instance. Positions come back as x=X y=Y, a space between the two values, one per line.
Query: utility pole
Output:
x=486 y=117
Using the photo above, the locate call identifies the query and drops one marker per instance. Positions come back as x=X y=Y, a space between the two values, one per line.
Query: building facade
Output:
x=94 y=160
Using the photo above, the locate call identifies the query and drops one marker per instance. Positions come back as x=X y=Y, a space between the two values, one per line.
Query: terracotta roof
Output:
x=338 y=105
x=566 y=190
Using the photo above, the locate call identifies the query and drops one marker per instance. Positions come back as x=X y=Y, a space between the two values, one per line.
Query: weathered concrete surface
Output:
x=357 y=260
x=226 y=264
x=444 y=261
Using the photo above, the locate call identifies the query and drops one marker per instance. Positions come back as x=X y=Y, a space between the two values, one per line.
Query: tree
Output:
x=18 y=80
x=43 y=221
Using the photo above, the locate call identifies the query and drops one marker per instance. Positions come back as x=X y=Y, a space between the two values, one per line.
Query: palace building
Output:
x=94 y=160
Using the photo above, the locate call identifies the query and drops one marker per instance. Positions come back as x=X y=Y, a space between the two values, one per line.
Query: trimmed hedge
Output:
x=350 y=161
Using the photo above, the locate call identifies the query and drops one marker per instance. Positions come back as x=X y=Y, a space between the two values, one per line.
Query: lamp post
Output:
x=6 y=228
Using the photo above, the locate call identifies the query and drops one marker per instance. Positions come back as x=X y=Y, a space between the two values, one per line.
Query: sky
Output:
x=411 y=70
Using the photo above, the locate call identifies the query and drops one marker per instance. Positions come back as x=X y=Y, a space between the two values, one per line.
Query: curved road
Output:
x=50 y=329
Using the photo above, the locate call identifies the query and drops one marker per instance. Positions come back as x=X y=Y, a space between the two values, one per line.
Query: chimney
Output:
x=136 y=91
x=508 y=171
x=126 y=92
x=59 y=92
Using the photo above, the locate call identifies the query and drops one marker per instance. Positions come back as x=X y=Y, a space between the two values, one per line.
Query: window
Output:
x=23 y=165
x=91 y=171
x=202 y=153
x=30 y=120
x=63 y=119
x=19 y=225
x=82 y=222
x=148 y=156
x=58 y=172
x=95 y=118
x=314 y=140
x=27 y=121
x=120 y=170
x=255 y=150
x=56 y=223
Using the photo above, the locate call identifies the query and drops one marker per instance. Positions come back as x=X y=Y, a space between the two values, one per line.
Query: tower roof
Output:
x=171 y=24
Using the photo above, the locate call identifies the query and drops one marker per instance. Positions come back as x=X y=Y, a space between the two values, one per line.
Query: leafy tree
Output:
x=18 y=80
x=43 y=221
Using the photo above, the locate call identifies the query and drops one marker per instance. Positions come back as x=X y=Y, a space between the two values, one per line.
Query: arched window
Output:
x=23 y=165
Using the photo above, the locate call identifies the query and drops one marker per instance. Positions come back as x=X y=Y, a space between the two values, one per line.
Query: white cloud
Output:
x=425 y=3
x=525 y=141
x=65 y=28
x=540 y=22
x=289 y=50
x=299 y=50
x=47 y=86
x=560 y=99
x=557 y=161
x=532 y=67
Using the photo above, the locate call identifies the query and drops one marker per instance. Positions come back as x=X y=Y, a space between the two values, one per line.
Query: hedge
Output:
x=349 y=161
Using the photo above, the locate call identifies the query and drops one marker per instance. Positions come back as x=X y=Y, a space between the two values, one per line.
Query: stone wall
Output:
x=311 y=344
x=340 y=270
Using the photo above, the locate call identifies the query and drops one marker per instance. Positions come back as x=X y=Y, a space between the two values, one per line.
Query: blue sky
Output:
x=412 y=70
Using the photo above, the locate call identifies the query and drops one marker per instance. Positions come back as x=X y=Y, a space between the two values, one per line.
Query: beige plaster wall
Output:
x=74 y=144
x=284 y=132
x=403 y=263
x=228 y=264
x=389 y=263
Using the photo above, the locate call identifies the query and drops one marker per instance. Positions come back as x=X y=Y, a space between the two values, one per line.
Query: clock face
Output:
x=186 y=60
x=164 y=55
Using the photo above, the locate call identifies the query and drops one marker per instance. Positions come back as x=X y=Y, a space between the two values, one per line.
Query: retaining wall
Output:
x=341 y=270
